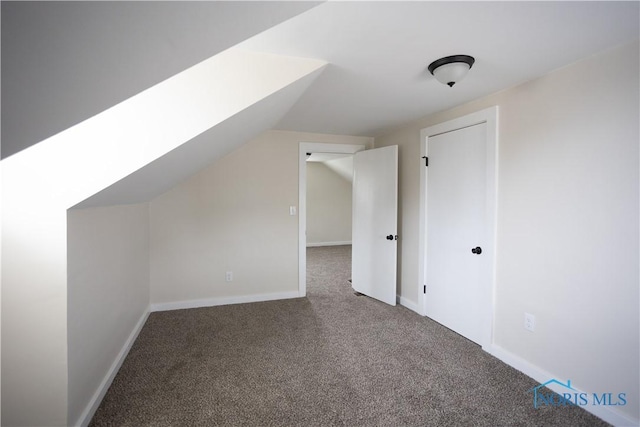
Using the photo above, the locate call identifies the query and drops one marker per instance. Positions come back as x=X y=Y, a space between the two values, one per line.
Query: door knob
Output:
x=477 y=250
x=390 y=237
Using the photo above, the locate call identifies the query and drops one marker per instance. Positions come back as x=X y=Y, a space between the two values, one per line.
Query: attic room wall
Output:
x=108 y=293
x=329 y=202
x=567 y=236
x=232 y=216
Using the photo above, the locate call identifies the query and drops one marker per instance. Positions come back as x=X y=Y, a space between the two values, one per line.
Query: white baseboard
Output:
x=212 y=302
x=542 y=376
x=315 y=245
x=407 y=303
x=97 y=397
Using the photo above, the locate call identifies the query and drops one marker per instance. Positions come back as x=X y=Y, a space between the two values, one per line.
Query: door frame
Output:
x=489 y=116
x=304 y=148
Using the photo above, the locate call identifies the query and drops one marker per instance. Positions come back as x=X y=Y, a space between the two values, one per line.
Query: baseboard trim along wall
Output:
x=318 y=244
x=94 y=403
x=541 y=376
x=407 y=303
x=212 y=302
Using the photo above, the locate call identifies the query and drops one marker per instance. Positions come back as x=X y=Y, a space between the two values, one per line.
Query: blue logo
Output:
x=572 y=397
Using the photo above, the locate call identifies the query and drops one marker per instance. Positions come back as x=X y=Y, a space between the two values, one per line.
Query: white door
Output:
x=375 y=223
x=456 y=292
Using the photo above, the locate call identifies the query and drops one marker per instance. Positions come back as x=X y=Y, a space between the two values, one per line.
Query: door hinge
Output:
x=424 y=291
x=426 y=160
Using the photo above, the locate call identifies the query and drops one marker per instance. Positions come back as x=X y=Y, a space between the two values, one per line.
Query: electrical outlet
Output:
x=529 y=322
x=229 y=276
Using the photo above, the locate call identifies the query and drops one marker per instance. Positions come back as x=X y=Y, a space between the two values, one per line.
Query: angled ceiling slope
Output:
x=186 y=160
x=83 y=160
x=63 y=62
x=342 y=166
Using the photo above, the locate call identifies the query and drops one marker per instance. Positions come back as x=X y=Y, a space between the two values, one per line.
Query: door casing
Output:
x=490 y=117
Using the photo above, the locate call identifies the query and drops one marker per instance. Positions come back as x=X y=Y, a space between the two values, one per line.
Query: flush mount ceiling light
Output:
x=451 y=69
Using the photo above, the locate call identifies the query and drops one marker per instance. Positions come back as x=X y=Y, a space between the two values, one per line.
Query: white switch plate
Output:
x=228 y=276
x=292 y=210
x=529 y=322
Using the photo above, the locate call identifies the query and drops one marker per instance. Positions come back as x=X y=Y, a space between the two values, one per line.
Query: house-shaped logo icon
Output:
x=548 y=398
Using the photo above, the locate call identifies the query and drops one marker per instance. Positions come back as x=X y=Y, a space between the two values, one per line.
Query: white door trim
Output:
x=311 y=147
x=490 y=117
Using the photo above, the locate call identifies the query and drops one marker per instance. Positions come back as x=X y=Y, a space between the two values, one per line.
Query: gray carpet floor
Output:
x=332 y=358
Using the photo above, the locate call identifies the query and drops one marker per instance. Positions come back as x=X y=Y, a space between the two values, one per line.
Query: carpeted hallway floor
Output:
x=332 y=358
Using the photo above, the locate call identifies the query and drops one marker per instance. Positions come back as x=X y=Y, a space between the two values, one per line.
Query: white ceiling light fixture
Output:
x=451 y=69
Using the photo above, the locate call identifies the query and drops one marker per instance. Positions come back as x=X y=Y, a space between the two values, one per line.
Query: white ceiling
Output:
x=187 y=159
x=339 y=163
x=63 y=62
x=379 y=52
x=342 y=166
x=324 y=157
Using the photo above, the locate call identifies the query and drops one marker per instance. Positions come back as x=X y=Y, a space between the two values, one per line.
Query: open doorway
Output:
x=329 y=218
x=325 y=191
x=374 y=218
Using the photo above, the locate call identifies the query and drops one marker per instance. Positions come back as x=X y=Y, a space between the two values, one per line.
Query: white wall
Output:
x=568 y=228
x=329 y=202
x=108 y=293
x=232 y=216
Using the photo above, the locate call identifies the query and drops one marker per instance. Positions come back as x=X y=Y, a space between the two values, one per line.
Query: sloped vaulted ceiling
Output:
x=182 y=162
x=63 y=62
